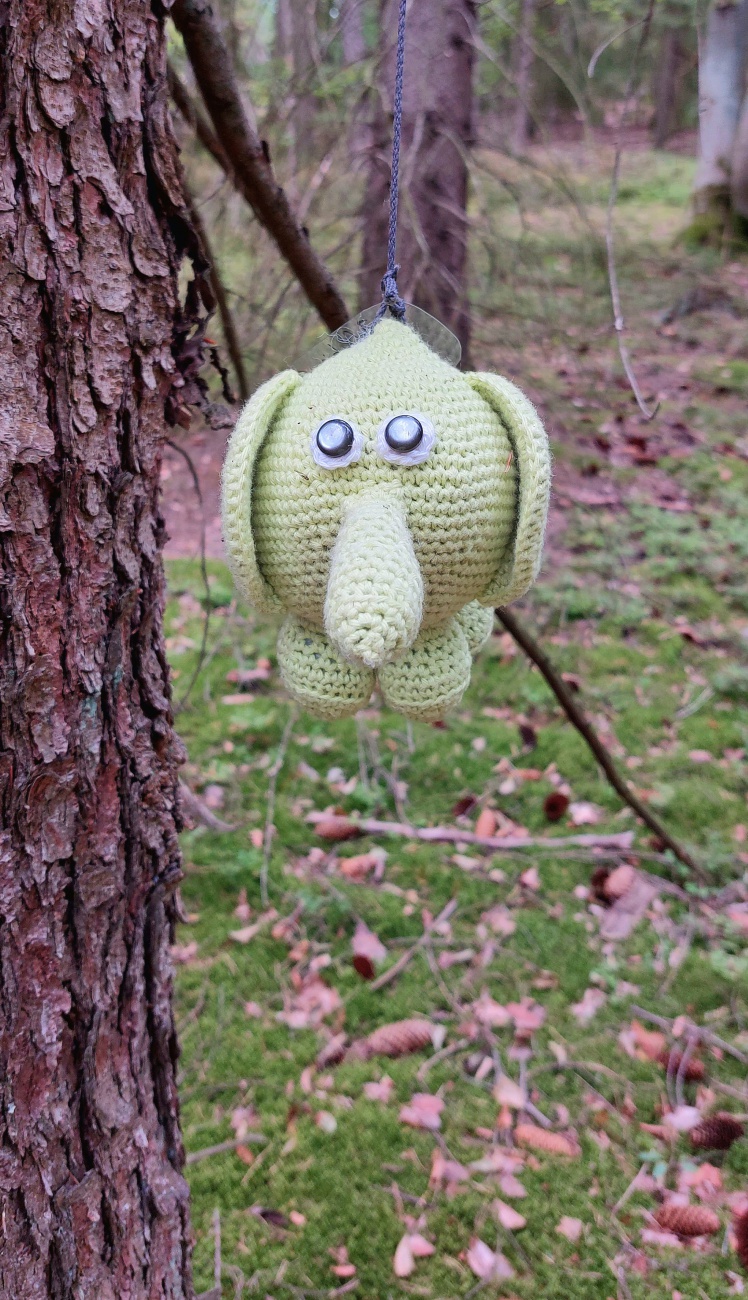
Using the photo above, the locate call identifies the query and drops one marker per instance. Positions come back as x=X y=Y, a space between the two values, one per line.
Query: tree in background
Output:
x=437 y=136
x=671 y=66
x=523 y=62
x=721 y=89
x=94 y=345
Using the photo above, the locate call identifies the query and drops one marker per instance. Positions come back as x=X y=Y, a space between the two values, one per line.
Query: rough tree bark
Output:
x=93 y=1204
x=437 y=135
x=523 y=61
x=721 y=64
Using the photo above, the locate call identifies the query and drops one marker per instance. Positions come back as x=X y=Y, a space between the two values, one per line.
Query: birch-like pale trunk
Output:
x=739 y=171
x=721 y=68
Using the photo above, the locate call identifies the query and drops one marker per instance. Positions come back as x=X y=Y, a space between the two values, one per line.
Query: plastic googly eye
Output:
x=336 y=443
x=403 y=432
x=406 y=438
x=335 y=438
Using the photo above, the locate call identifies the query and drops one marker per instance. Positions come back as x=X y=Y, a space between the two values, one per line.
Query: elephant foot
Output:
x=432 y=676
x=316 y=675
x=476 y=622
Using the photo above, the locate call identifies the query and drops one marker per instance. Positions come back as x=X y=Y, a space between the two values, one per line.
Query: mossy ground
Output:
x=644 y=599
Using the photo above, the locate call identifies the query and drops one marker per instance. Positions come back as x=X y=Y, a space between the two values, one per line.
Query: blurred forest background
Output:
x=513 y=114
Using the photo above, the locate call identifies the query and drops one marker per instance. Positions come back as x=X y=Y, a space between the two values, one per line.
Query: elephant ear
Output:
x=519 y=567
x=252 y=427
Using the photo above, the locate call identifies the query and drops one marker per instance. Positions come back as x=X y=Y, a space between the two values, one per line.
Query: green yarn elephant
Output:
x=386 y=502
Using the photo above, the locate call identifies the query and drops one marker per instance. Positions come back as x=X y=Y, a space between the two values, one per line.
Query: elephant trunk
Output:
x=374 y=601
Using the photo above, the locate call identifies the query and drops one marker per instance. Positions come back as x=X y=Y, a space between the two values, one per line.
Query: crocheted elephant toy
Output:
x=385 y=502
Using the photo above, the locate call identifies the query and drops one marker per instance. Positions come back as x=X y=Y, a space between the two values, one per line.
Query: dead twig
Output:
x=182 y=451
x=622 y=840
x=453 y=1049
x=705 y=1035
x=249 y=157
x=194 y=119
x=680 y=1076
x=197 y=810
x=579 y=719
x=267 y=840
x=633 y=1185
x=217 y=1250
x=221 y=1148
x=615 y=293
x=392 y=973
x=441 y=983
x=222 y=302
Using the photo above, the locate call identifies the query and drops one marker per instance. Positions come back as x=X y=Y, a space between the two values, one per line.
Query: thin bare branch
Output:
x=267 y=843
x=221 y=1148
x=620 y=840
x=705 y=1035
x=194 y=118
x=249 y=157
x=222 y=302
x=579 y=719
x=648 y=412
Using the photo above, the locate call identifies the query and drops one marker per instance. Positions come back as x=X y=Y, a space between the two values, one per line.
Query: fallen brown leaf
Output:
x=487 y=1264
x=423 y=1111
x=508 y=1217
x=570 y=1228
x=379 y=1091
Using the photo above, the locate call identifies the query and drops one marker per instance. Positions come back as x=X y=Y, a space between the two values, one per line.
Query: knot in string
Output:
x=391 y=300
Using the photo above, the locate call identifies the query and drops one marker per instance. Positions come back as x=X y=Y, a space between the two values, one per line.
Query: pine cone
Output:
x=717 y=1133
x=539 y=1139
x=619 y=881
x=740 y=1227
x=694 y=1071
x=399 y=1038
x=688 y=1220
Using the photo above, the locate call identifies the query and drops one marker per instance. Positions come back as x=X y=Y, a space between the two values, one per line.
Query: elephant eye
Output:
x=403 y=432
x=336 y=443
x=405 y=439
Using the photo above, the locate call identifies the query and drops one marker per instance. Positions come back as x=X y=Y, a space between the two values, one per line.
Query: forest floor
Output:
x=418 y=1174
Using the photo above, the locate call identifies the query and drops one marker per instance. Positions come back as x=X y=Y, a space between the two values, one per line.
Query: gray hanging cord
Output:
x=391 y=300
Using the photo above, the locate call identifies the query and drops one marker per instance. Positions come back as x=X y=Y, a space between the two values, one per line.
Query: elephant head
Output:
x=376 y=498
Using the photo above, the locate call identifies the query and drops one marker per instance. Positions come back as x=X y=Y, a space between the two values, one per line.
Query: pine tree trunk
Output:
x=354 y=52
x=721 y=64
x=523 y=61
x=93 y=1204
x=437 y=135
x=665 y=88
x=305 y=62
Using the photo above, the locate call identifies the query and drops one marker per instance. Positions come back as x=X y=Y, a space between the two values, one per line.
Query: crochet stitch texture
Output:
x=383 y=567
